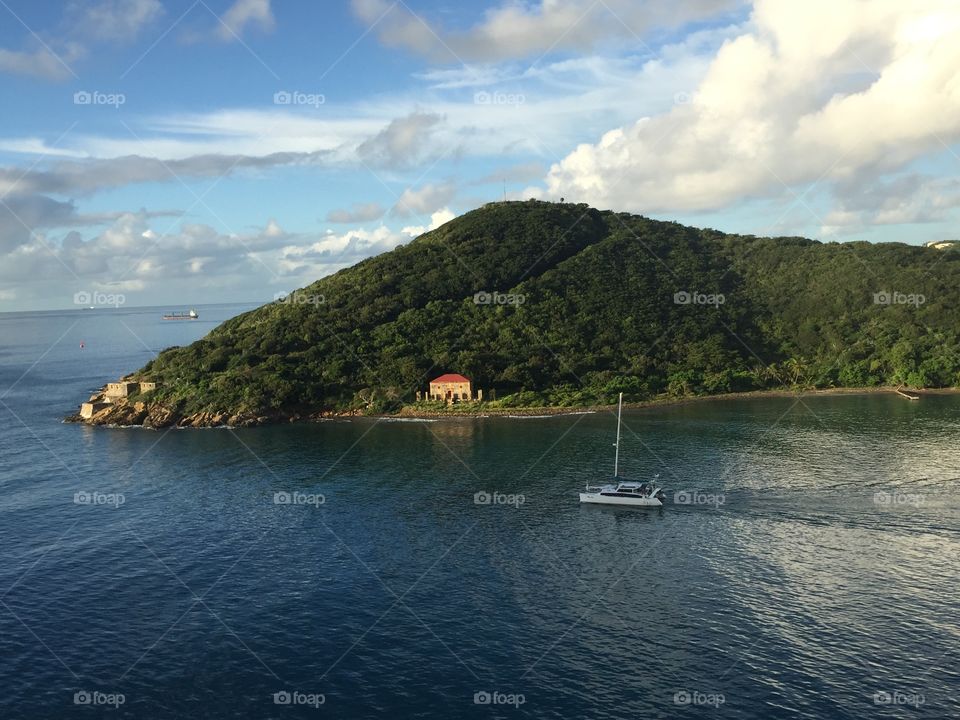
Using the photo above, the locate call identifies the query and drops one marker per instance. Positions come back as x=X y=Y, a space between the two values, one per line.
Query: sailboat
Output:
x=622 y=492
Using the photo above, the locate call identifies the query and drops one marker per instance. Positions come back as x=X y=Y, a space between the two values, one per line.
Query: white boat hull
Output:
x=586 y=497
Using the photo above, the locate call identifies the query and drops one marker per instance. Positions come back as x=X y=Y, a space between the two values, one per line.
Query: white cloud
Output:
x=112 y=20
x=904 y=199
x=85 y=177
x=564 y=103
x=403 y=142
x=787 y=103
x=516 y=30
x=424 y=199
x=360 y=212
x=130 y=254
x=81 y=26
x=436 y=220
x=335 y=251
x=40 y=62
x=273 y=229
x=244 y=13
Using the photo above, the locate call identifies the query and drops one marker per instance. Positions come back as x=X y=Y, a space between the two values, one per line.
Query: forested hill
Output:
x=558 y=304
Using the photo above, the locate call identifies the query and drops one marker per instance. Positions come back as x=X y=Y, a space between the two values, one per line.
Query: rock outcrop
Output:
x=109 y=408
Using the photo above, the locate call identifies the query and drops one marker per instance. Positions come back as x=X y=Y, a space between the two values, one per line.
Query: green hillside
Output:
x=586 y=305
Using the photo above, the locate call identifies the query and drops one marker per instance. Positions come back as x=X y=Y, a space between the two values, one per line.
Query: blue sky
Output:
x=230 y=150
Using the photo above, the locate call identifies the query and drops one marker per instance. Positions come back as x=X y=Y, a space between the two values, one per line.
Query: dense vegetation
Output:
x=588 y=307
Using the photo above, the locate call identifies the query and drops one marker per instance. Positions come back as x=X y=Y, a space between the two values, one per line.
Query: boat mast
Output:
x=616 y=456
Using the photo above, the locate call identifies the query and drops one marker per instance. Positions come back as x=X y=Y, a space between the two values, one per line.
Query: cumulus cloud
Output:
x=131 y=257
x=425 y=199
x=436 y=220
x=794 y=100
x=335 y=251
x=128 y=254
x=243 y=14
x=19 y=216
x=360 y=212
x=907 y=198
x=401 y=143
x=516 y=30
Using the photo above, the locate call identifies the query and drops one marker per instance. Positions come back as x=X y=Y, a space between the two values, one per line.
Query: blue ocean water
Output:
x=446 y=569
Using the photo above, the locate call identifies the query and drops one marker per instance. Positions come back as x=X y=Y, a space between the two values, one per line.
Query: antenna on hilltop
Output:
x=504 y=189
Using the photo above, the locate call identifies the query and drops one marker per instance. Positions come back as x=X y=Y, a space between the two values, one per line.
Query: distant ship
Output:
x=192 y=315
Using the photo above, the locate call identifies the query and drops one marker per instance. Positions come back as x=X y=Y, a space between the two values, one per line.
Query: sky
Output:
x=178 y=152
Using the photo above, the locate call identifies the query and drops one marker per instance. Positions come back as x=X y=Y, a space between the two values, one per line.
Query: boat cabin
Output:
x=627 y=489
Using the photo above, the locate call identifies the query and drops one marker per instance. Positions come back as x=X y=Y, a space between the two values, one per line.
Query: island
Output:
x=550 y=307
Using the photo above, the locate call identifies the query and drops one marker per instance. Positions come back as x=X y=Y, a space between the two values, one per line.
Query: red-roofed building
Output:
x=451 y=388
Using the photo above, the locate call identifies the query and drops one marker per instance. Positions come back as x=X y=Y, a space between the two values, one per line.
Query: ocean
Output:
x=805 y=566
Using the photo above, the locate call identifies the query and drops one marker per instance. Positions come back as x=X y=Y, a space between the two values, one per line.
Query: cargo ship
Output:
x=192 y=315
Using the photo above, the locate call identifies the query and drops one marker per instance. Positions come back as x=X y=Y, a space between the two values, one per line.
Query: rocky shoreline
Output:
x=142 y=414
x=129 y=403
x=140 y=411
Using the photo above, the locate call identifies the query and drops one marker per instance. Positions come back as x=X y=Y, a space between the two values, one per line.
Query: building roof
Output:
x=450 y=378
